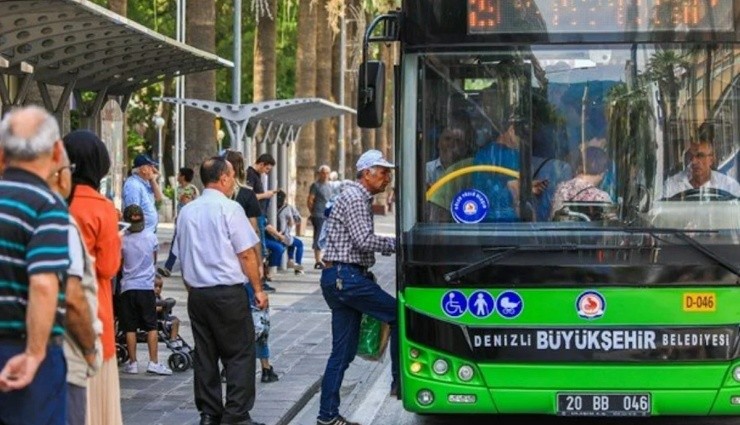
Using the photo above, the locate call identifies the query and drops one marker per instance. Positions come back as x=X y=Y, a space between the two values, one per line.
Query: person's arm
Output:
x=107 y=248
x=360 y=226
x=154 y=182
x=265 y=195
x=79 y=322
x=311 y=198
x=250 y=266
x=20 y=369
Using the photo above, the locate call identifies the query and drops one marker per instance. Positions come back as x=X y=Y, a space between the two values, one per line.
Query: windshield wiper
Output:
x=654 y=231
x=470 y=268
x=505 y=252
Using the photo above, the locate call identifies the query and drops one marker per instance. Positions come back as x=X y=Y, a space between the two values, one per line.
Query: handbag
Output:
x=373 y=338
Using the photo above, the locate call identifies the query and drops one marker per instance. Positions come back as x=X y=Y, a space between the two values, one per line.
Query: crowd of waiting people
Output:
x=75 y=271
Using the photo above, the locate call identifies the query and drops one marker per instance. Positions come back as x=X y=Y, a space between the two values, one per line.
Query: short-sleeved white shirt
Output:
x=211 y=231
x=76 y=259
x=680 y=183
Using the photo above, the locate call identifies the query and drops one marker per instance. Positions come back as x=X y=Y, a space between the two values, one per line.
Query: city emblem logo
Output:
x=454 y=303
x=469 y=206
x=509 y=305
x=481 y=304
x=590 y=305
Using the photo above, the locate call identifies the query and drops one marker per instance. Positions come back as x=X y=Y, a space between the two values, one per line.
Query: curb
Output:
x=301 y=403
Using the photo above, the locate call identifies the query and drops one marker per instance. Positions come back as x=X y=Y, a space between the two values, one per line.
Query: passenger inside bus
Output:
x=584 y=187
x=699 y=174
x=455 y=153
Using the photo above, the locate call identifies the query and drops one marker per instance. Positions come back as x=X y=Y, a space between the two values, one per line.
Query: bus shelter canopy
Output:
x=75 y=42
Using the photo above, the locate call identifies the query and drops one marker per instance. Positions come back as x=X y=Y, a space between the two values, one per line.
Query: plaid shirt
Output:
x=350 y=236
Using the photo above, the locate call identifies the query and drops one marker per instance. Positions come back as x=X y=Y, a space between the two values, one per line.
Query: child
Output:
x=186 y=192
x=164 y=313
x=138 y=306
x=287 y=217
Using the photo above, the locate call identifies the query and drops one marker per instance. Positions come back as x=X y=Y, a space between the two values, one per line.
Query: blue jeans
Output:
x=44 y=400
x=295 y=251
x=262 y=350
x=358 y=294
x=261 y=224
x=276 y=250
x=171 y=258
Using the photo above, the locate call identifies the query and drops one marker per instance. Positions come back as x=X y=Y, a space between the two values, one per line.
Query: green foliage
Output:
x=169 y=192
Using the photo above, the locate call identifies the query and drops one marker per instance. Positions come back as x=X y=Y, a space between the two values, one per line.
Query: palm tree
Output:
x=265 y=85
x=324 y=42
x=305 y=87
x=200 y=132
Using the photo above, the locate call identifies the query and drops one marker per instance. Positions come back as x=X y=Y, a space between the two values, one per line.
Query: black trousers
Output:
x=223 y=330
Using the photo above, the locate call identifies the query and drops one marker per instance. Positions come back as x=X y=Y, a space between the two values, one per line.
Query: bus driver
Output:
x=699 y=173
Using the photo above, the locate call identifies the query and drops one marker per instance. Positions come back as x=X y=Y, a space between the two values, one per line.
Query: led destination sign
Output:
x=599 y=16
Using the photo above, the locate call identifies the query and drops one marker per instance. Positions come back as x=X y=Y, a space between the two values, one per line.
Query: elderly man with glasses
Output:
x=699 y=173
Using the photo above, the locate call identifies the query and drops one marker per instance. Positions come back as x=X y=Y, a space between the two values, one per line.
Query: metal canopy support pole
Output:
x=342 y=70
x=236 y=80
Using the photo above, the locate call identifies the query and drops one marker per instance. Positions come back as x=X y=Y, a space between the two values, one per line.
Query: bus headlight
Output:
x=465 y=373
x=440 y=366
x=425 y=397
x=415 y=367
x=736 y=374
x=414 y=353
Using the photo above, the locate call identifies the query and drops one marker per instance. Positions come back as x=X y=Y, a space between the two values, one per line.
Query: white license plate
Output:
x=603 y=404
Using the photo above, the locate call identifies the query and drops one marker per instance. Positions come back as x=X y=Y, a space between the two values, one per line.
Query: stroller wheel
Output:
x=121 y=353
x=190 y=358
x=179 y=361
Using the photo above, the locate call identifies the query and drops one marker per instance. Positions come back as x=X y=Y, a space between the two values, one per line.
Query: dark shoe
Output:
x=267 y=288
x=269 y=375
x=244 y=422
x=164 y=272
x=206 y=419
x=339 y=420
x=319 y=265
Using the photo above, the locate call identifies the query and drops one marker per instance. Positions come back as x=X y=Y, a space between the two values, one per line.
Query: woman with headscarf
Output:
x=98 y=221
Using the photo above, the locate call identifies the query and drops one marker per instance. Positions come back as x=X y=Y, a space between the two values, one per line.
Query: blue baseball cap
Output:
x=144 y=159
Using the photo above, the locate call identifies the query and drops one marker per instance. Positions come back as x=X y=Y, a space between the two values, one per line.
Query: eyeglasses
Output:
x=701 y=155
x=71 y=167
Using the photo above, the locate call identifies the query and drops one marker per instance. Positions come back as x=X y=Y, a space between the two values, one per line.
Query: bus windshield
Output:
x=576 y=155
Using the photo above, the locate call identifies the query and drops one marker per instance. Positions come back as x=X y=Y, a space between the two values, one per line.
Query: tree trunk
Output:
x=200 y=131
x=305 y=87
x=323 y=82
x=265 y=85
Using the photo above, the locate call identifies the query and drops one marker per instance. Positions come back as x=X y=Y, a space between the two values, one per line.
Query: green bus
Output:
x=567 y=203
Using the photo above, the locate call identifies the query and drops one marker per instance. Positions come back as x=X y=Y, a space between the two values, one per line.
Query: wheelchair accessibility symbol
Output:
x=454 y=303
x=481 y=304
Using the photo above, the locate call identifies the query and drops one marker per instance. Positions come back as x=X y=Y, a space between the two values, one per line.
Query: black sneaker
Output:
x=339 y=420
x=269 y=375
x=164 y=272
x=267 y=288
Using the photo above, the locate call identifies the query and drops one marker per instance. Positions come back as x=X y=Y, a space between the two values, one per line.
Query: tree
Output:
x=200 y=133
x=324 y=42
x=306 y=87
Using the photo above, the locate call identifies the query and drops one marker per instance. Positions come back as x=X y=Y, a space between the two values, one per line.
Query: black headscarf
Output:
x=89 y=154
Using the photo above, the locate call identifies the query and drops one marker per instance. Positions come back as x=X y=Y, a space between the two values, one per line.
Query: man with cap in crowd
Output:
x=142 y=188
x=349 y=287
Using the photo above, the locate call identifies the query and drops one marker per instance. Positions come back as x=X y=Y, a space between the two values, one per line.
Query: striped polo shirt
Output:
x=34 y=225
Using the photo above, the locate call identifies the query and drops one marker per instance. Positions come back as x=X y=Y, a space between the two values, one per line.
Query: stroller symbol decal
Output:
x=509 y=305
x=454 y=303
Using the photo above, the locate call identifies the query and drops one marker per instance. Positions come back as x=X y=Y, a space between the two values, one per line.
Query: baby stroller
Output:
x=181 y=358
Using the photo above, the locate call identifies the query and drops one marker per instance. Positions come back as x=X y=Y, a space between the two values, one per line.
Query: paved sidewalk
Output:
x=300 y=342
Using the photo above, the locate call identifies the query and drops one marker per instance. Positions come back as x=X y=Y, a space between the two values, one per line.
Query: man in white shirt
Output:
x=214 y=243
x=699 y=173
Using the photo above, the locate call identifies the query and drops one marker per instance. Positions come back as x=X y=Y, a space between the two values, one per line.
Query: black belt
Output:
x=54 y=340
x=364 y=269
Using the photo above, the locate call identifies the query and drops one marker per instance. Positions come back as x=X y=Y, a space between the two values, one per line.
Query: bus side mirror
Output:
x=371 y=94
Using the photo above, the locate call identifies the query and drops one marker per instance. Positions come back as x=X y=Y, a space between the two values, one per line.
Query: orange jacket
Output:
x=98 y=222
